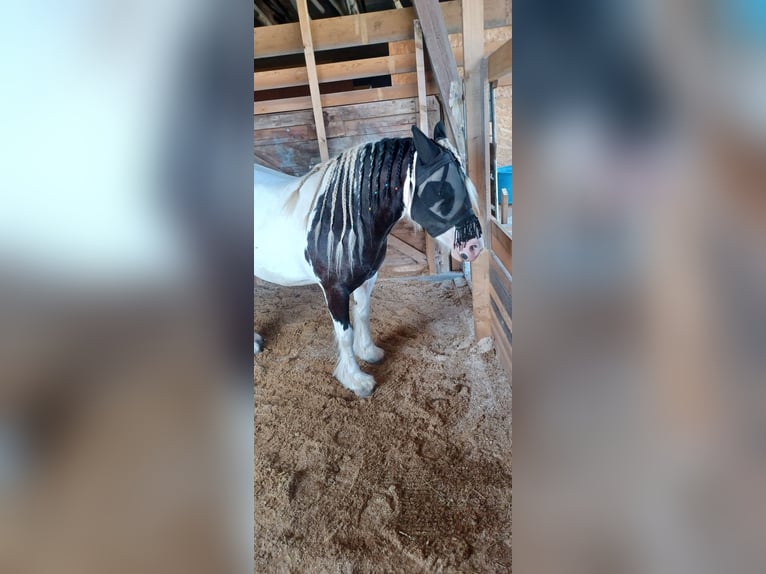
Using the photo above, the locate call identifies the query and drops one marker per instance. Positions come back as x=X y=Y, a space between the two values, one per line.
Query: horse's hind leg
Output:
x=364 y=347
x=257 y=344
x=347 y=370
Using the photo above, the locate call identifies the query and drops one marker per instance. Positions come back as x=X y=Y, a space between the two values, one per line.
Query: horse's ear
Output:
x=439 y=132
x=426 y=148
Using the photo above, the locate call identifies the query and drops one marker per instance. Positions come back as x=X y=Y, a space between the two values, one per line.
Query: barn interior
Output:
x=417 y=478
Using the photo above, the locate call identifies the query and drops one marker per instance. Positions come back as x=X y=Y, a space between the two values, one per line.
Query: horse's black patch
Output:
x=361 y=201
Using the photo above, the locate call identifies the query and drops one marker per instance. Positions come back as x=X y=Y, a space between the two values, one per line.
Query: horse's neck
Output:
x=359 y=200
x=375 y=176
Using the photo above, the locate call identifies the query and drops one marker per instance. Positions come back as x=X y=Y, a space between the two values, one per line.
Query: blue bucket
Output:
x=505 y=181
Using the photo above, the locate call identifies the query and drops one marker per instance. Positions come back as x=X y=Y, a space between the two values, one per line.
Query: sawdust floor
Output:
x=416 y=478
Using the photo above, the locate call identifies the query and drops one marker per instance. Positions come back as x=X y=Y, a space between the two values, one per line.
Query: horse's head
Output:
x=444 y=199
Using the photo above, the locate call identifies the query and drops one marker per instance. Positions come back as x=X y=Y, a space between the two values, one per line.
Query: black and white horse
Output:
x=331 y=227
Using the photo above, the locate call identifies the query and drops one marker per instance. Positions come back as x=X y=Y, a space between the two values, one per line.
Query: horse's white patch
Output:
x=257 y=344
x=409 y=188
x=347 y=370
x=364 y=347
x=280 y=234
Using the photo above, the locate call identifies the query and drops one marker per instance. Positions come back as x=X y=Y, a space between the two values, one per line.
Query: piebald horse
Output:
x=331 y=228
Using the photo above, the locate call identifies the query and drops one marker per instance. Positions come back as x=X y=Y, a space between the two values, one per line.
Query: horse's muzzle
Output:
x=469 y=251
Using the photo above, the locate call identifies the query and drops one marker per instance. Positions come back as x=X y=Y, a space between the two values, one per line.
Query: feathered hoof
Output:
x=372 y=354
x=257 y=344
x=361 y=384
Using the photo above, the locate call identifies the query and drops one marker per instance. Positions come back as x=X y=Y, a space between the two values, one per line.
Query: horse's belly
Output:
x=279 y=257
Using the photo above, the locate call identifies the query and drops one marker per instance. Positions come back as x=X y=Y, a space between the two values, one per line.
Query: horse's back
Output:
x=268 y=178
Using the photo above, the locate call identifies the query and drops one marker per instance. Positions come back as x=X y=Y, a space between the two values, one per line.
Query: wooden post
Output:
x=434 y=262
x=311 y=68
x=420 y=67
x=477 y=153
x=444 y=66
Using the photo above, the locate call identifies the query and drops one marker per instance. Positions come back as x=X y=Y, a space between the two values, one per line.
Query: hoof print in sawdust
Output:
x=381 y=508
x=441 y=407
x=460 y=390
x=290 y=537
x=347 y=437
x=294 y=484
x=461 y=549
x=432 y=449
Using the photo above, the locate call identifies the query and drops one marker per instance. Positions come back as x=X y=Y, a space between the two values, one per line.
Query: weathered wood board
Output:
x=287 y=140
x=500 y=282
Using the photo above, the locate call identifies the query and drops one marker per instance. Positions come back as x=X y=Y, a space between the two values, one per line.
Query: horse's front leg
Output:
x=347 y=370
x=364 y=347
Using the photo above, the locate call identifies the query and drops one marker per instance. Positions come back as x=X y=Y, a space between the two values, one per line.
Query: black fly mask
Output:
x=441 y=199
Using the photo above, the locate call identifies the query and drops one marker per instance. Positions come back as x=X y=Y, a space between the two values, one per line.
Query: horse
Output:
x=330 y=227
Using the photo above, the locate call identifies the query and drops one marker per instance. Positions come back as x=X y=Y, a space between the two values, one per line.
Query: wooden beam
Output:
x=500 y=62
x=362 y=29
x=341 y=98
x=337 y=127
x=316 y=101
x=444 y=66
x=405 y=248
x=340 y=71
x=477 y=146
x=335 y=72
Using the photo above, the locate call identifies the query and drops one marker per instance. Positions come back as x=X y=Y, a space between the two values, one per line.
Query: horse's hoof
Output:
x=361 y=384
x=372 y=355
x=363 y=394
x=257 y=344
x=365 y=391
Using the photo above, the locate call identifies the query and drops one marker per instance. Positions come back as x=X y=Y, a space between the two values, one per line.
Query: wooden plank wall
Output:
x=499 y=67
x=288 y=140
x=500 y=269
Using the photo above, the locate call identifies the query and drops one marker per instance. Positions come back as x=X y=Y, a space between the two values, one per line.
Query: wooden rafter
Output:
x=337 y=6
x=316 y=101
x=263 y=15
x=353 y=7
